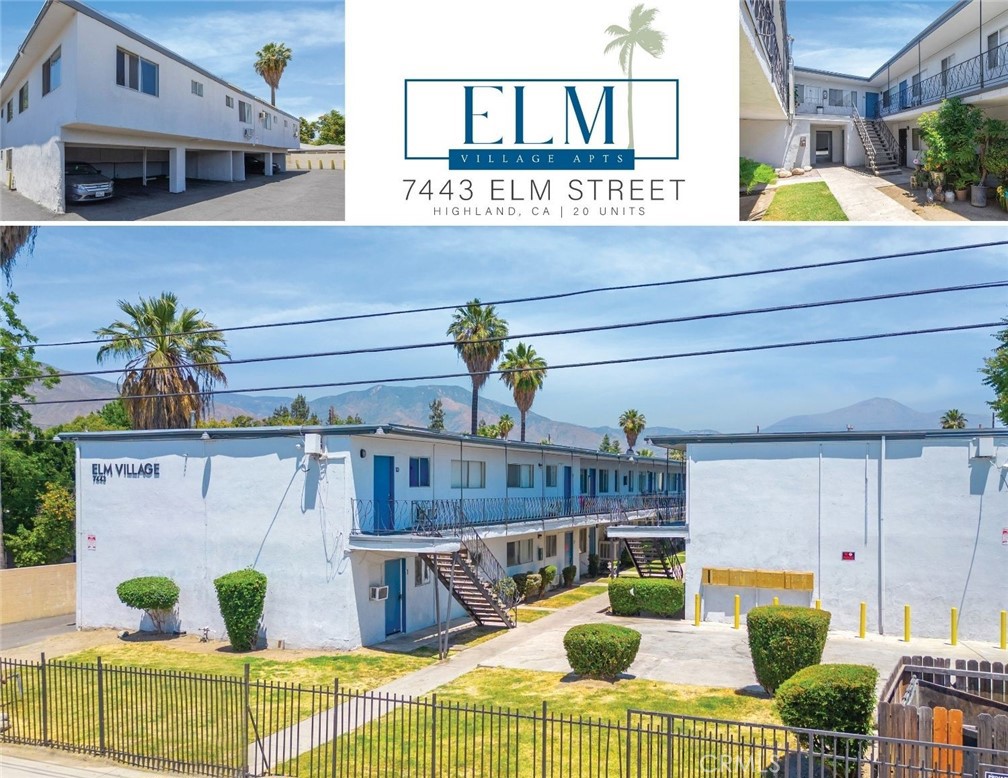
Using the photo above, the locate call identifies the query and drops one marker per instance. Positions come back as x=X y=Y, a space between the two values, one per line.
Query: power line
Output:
x=568 y=331
x=568 y=294
x=570 y=365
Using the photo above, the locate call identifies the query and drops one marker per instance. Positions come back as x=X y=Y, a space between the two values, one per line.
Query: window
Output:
x=521 y=476
x=946 y=65
x=616 y=481
x=10 y=109
x=244 y=112
x=628 y=480
x=603 y=480
x=421 y=573
x=266 y=120
x=642 y=482
x=23 y=98
x=915 y=143
x=583 y=539
x=915 y=85
x=799 y=93
x=51 y=71
x=197 y=88
x=519 y=552
x=419 y=471
x=136 y=73
x=836 y=97
x=286 y=124
x=551 y=545
x=853 y=98
x=229 y=101
x=551 y=475
x=994 y=55
x=468 y=475
x=583 y=485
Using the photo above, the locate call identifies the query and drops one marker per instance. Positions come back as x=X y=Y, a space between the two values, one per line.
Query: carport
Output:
x=121 y=162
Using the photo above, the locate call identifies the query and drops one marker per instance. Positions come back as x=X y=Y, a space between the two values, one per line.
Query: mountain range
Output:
x=410 y=405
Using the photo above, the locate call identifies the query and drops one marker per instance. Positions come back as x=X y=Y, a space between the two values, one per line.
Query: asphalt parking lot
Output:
x=298 y=195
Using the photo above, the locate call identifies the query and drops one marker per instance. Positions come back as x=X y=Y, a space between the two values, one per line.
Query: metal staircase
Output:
x=655 y=557
x=881 y=150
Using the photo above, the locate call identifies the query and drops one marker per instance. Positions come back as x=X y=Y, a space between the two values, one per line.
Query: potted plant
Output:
x=992 y=155
x=951 y=137
x=960 y=185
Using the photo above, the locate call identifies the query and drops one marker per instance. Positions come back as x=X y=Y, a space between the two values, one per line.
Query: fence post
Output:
x=433 y=732
x=101 y=708
x=245 y=719
x=335 y=725
x=1004 y=630
x=544 y=739
x=627 y=773
x=45 y=703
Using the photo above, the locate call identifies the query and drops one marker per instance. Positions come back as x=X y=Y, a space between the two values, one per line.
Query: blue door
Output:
x=395 y=605
x=871 y=105
x=384 y=493
x=904 y=95
x=568 y=548
x=591 y=482
x=567 y=486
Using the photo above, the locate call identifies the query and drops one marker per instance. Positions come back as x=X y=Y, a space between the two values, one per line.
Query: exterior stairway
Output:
x=881 y=154
x=655 y=557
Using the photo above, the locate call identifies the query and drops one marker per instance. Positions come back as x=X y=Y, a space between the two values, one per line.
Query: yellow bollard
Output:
x=297 y=164
x=906 y=623
x=696 y=609
x=332 y=164
x=1004 y=630
x=738 y=611
x=818 y=605
x=776 y=600
x=954 y=638
x=863 y=625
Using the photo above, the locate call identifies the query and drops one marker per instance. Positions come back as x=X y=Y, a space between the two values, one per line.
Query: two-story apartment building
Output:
x=85 y=88
x=824 y=116
x=362 y=531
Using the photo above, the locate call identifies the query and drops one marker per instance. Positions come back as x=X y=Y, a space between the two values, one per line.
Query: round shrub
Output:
x=521 y=584
x=548 y=575
x=657 y=596
x=156 y=595
x=505 y=589
x=601 y=650
x=783 y=639
x=241 y=596
x=569 y=573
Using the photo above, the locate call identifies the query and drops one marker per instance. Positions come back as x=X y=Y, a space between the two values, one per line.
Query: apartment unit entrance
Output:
x=395 y=605
x=823 y=147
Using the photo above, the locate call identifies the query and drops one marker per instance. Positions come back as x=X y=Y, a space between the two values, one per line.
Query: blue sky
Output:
x=223 y=37
x=71 y=284
x=856 y=36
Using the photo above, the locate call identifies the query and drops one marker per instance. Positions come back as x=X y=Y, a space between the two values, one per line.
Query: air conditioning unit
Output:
x=983 y=447
x=378 y=593
x=249 y=132
x=313 y=444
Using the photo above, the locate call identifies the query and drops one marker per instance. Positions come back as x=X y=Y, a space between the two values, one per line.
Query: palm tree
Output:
x=953 y=420
x=524 y=377
x=640 y=33
x=632 y=423
x=271 y=63
x=479 y=335
x=504 y=425
x=171 y=367
x=12 y=240
x=645 y=452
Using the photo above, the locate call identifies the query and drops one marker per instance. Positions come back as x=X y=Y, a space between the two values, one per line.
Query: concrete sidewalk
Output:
x=30 y=762
x=858 y=195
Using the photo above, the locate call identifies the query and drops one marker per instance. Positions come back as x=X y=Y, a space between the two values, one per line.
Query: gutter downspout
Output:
x=881 y=536
x=819 y=530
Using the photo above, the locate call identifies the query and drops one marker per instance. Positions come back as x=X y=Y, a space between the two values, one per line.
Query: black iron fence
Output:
x=451 y=517
x=233 y=726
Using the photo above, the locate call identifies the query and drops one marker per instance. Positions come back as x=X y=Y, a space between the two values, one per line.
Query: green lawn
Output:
x=804 y=202
x=566 y=597
x=752 y=173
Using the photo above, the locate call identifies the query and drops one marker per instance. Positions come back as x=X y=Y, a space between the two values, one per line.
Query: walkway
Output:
x=858 y=195
x=34 y=762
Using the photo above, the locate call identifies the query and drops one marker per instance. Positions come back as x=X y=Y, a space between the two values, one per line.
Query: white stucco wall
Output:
x=757 y=505
x=776 y=143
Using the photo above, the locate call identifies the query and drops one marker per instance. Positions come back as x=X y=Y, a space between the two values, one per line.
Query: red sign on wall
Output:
x=847 y=556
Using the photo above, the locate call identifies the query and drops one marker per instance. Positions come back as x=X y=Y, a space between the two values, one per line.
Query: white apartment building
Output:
x=362 y=531
x=84 y=88
x=796 y=116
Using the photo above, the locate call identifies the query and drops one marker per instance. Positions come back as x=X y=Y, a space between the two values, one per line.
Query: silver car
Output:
x=85 y=183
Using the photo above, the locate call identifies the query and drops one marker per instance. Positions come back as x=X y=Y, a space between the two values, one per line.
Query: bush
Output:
x=533 y=584
x=658 y=596
x=601 y=650
x=241 y=596
x=783 y=639
x=593 y=565
x=569 y=573
x=752 y=173
x=548 y=574
x=836 y=698
x=521 y=584
x=506 y=589
x=156 y=595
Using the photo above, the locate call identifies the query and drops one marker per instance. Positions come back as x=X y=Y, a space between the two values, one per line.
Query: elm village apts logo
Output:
x=514 y=124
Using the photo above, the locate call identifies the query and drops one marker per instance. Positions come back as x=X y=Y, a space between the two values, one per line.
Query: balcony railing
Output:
x=988 y=70
x=451 y=517
x=762 y=12
x=824 y=105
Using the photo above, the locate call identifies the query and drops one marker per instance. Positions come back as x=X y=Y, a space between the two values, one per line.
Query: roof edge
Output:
x=668 y=441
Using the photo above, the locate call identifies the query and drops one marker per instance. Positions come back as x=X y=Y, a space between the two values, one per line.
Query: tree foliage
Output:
x=331 y=128
x=271 y=61
x=52 y=536
x=479 y=335
x=19 y=368
x=632 y=422
x=334 y=418
x=995 y=371
x=950 y=135
x=524 y=374
x=307 y=130
x=436 y=419
x=609 y=445
x=14 y=239
x=953 y=419
x=504 y=425
x=297 y=414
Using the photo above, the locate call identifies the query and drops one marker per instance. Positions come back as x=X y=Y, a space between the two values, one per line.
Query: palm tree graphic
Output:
x=640 y=33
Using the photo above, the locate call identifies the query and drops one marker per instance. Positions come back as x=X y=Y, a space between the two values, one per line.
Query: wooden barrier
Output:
x=37 y=592
x=758 y=579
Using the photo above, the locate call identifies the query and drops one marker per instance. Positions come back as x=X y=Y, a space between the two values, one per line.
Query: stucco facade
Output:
x=86 y=89
x=884 y=518
x=193 y=508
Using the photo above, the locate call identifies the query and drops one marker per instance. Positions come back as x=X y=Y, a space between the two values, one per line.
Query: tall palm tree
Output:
x=953 y=420
x=12 y=240
x=504 y=425
x=524 y=377
x=632 y=423
x=271 y=63
x=640 y=33
x=479 y=335
x=171 y=355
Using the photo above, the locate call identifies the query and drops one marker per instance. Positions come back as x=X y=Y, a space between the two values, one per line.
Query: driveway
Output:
x=23 y=633
x=298 y=195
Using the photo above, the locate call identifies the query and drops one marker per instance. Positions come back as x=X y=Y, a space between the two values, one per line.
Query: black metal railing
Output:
x=824 y=104
x=488 y=568
x=762 y=12
x=451 y=517
x=235 y=726
x=988 y=70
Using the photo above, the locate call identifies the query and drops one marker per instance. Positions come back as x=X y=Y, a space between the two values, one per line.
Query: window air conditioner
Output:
x=378 y=593
x=249 y=132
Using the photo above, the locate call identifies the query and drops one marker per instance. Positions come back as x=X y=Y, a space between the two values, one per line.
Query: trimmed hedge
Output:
x=601 y=650
x=521 y=583
x=783 y=639
x=594 y=568
x=533 y=584
x=658 y=596
x=569 y=573
x=836 y=698
x=548 y=574
x=156 y=595
x=241 y=596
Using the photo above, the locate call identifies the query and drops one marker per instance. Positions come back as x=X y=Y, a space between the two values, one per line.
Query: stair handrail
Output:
x=488 y=568
x=889 y=142
x=859 y=124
